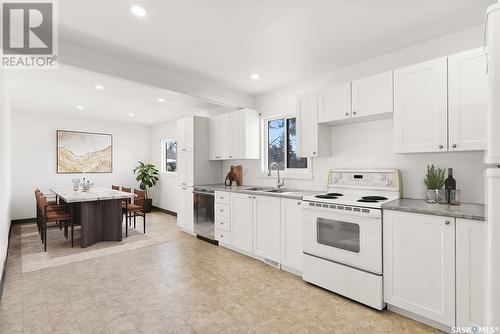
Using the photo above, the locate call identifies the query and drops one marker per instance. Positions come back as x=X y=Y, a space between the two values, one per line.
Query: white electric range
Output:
x=342 y=233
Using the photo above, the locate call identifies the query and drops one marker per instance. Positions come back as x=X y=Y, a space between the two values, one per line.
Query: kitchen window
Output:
x=280 y=146
x=169 y=156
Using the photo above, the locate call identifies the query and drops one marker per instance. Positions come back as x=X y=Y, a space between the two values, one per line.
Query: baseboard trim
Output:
x=23 y=221
x=4 y=271
x=168 y=212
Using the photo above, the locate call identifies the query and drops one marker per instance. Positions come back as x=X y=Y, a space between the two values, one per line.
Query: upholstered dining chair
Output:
x=51 y=206
x=125 y=210
x=136 y=209
x=115 y=187
x=50 y=214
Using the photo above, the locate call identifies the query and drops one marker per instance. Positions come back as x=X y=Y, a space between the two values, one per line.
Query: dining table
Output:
x=98 y=211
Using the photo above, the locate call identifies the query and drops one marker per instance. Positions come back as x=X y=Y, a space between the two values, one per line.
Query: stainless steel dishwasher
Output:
x=204 y=215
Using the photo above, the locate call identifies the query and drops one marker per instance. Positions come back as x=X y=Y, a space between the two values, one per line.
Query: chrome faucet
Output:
x=280 y=182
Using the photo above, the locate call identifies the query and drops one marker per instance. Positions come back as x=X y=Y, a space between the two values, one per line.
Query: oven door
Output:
x=351 y=239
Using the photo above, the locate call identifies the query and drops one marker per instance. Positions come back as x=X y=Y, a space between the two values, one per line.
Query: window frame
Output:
x=290 y=173
x=164 y=157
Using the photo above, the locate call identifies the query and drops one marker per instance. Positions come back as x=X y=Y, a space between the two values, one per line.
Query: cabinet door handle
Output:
x=347 y=114
x=230 y=156
x=314 y=153
x=299 y=203
x=354 y=113
x=447 y=222
x=454 y=145
x=441 y=147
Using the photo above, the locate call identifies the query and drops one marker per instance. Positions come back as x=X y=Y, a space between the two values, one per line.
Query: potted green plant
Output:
x=434 y=180
x=147 y=175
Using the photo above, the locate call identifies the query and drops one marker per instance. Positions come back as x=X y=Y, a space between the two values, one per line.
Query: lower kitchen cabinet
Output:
x=470 y=273
x=419 y=265
x=185 y=215
x=266 y=227
x=291 y=234
x=242 y=222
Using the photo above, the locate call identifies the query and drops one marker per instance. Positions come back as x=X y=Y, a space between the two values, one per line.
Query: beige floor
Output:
x=182 y=286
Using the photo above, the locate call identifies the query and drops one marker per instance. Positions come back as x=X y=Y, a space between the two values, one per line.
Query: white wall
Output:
x=34 y=155
x=5 y=170
x=165 y=194
x=369 y=144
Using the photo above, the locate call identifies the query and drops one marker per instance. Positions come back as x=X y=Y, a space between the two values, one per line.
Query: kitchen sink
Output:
x=258 y=189
x=279 y=191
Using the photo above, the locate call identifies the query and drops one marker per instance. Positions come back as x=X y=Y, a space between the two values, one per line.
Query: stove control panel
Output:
x=375 y=179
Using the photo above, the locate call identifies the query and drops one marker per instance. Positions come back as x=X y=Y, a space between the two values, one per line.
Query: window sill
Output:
x=308 y=175
x=169 y=174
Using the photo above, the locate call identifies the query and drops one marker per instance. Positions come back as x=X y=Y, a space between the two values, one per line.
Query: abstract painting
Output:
x=84 y=152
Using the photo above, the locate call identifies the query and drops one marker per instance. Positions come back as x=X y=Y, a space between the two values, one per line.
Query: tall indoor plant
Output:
x=147 y=175
x=434 y=180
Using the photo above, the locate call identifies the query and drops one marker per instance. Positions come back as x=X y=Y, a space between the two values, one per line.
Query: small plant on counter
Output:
x=147 y=176
x=434 y=180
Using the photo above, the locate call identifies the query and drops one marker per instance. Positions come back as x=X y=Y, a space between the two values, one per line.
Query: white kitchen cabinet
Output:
x=266 y=228
x=185 y=213
x=467 y=99
x=420 y=107
x=235 y=135
x=245 y=134
x=313 y=139
x=373 y=96
x=185 y=134
x=242 y=222
x=419 y=265
x=334 y=103
x=185 y=168
x=470 y=273
x=291 y=234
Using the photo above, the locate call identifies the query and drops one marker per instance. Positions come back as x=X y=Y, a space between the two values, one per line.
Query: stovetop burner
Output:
x=335 y=194
x=327 y=196
x=374 y=198
x=367 y=201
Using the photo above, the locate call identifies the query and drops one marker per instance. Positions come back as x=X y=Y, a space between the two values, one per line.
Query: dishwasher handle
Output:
x=203 y=193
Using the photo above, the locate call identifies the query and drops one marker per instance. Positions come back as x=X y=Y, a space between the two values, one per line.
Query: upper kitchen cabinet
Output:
x=193 y=164
x=185 y=134
x=334 y=103
x=235 y=135
x=420 y=107
x=313 y=139
x=373 y=96
x=467 y=100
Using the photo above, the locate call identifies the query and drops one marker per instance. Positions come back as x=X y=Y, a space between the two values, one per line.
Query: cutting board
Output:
x=238 y=171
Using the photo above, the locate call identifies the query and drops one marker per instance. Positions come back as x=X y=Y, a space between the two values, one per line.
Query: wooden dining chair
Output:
x=115 y=187
x=125 y=209
x=58 y=215
x=51 y=205
x=137 y=208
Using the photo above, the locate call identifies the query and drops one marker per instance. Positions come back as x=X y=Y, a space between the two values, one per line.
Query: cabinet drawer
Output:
x=222 y=197
x=222 y=211
x=223 y=236
x=223 y=223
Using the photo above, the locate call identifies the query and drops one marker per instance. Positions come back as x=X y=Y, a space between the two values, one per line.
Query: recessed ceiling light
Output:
x=255 y=76
x=138 y=11
x=100 y=87
x=79 y=107
x=161 y=99
x=131 y=115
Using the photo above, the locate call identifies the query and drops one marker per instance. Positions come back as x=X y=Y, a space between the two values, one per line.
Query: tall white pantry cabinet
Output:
x=193 y=166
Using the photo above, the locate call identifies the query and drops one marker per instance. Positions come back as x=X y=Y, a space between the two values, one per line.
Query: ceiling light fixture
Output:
x=79 y=107
x=131 y=115
x=161 y=99
x=138 y=11
x=255 y=76
x=100 y=87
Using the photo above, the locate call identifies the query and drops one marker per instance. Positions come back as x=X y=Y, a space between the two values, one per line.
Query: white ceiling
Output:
x=61 y=90
x=283 y=41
